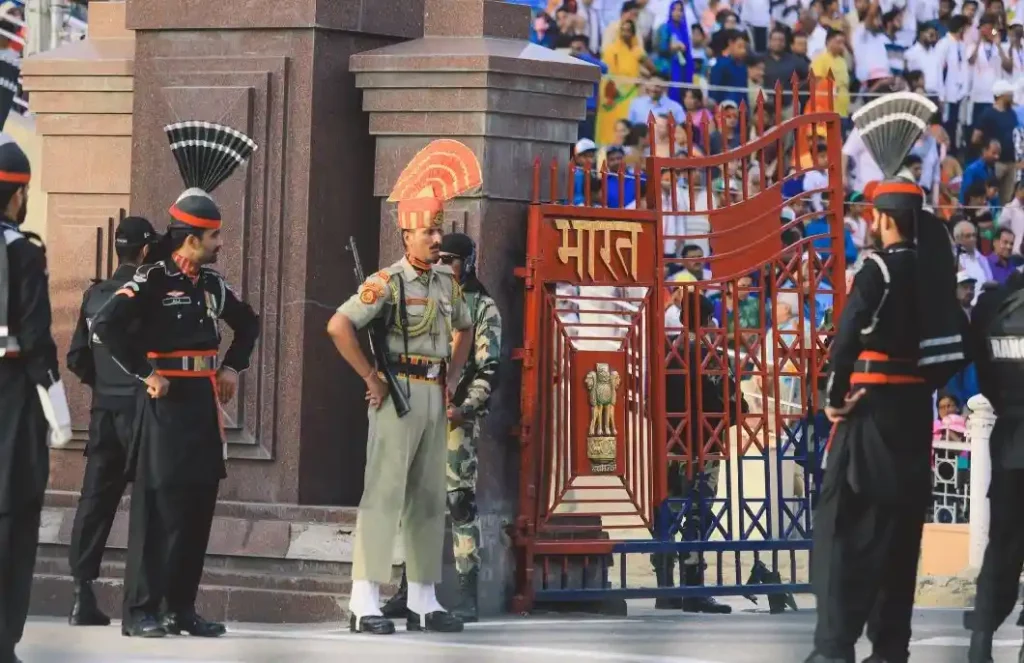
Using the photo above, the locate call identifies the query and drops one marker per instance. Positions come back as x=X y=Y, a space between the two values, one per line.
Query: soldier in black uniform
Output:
x=179 y=451
x=32 y=398
x=898 y=338
x=700 y=482
x=114 y=394
x=997 y=347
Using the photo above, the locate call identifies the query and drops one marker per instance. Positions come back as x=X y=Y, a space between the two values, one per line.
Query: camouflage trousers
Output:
x=701 y=488
x=461 y=473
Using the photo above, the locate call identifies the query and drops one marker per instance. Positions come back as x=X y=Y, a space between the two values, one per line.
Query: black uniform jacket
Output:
x=24 y=456
x=997 y=347
x=882 y=448
x=179 y=439
x=112 y=387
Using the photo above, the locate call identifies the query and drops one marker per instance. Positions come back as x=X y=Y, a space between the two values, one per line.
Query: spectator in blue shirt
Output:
x=579 y=50
x=981 y=170
x=997 y=122
x=730 y=69
x=655 y=101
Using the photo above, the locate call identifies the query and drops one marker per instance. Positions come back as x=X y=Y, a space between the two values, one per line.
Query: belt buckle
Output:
x=433 y=371
x=200 y=363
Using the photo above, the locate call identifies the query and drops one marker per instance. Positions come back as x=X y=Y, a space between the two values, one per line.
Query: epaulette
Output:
x=142 y=273
x=442 y=268
x=34 y=238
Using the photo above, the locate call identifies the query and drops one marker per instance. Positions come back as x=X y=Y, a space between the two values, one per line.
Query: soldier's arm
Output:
x=862 y=305
x=36 y=343
x=80 y=359
x=362 y=308
x=114 y=321
x=487 y=356
x=246 y=327
x=462 y=339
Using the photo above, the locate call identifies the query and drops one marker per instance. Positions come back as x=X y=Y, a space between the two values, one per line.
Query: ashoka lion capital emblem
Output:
x=602 y=387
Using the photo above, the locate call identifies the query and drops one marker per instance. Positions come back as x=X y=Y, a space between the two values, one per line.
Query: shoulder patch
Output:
x=383 y=275
x=370 y=291
x=457 y=289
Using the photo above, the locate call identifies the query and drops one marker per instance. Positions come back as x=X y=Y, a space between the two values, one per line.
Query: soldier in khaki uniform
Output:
x=424 y=309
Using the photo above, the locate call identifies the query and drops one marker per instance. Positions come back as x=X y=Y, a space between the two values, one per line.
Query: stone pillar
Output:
x=279 y=71
x=475 y=78
x=81 y=99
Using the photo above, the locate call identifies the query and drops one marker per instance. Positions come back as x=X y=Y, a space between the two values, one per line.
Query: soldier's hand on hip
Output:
x=227 y=385
x=376 y=390
x=157 y=386
x=837 y=414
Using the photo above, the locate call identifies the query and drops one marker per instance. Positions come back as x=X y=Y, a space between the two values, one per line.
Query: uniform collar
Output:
x=408 y=271
x=185 y=266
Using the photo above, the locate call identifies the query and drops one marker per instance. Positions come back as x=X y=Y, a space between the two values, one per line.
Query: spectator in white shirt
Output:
x=871 y=61
x=923 y=56
x=756 y=15
x=989 y=62
x=1015 y=49
x=865 y=168
x=969 y=258
x=591 y=13
x=826 y=19
x=956 y=82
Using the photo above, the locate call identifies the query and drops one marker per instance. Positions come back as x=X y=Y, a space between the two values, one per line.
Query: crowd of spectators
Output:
x=707 y=62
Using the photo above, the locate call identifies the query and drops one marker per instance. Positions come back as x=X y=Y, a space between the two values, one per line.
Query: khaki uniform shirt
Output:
x=435 y=305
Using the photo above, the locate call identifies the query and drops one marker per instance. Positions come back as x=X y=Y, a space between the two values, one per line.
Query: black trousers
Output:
x=864 y=571
x=168 y=532
x=110 y=433
x=19 y=537
x=999 y=579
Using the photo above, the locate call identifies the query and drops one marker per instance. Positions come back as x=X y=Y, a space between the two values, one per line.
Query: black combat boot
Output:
x=817 y=657
x=981 y=647
x=435 y=622
x=142 y=626
x=704 y=604
x=665 y=572
x=397 y=606
x=373 y=624
x=193 y=624
x=85 y=611
x=466 y=610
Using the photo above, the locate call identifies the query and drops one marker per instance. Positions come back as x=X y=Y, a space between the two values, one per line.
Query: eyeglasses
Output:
x=448 y=258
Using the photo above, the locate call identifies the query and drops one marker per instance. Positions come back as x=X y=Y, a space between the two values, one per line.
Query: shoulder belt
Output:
x=875 y=258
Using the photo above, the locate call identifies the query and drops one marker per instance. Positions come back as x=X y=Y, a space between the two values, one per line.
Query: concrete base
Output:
x=266 y=563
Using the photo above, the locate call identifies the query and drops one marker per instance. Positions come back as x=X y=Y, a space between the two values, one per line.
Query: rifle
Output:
x=377 y=333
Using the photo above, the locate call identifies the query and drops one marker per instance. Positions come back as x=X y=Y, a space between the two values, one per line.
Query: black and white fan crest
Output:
x=207 y=153
x=890 y=125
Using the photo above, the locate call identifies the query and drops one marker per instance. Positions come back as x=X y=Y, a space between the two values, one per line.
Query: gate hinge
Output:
x=527 y=273
x=524 y=354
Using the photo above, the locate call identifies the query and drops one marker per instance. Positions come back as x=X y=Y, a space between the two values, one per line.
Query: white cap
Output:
x=964 y=277
x=585 y=145
x=999 y=88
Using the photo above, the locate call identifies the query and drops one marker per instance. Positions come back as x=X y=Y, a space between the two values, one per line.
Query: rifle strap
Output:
x=403 y=315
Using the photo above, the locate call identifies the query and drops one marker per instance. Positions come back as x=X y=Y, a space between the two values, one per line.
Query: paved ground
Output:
x=645 y=636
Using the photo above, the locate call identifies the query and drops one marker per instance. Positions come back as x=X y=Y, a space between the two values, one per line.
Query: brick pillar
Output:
x=475 y=77
x=81 y=99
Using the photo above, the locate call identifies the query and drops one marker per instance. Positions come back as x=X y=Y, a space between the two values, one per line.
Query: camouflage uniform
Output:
x=473 y=396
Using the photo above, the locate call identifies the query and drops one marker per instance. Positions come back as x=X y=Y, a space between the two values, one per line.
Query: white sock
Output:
x=423 y=599
x=364 y=600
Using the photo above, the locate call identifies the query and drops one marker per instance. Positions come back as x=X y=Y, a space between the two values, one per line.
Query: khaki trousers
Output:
x=404 y=482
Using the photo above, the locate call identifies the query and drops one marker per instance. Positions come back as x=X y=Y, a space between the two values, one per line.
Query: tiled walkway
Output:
x=645 y=636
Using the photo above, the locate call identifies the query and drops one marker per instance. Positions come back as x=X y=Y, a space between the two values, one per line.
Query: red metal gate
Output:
x=624 y=451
